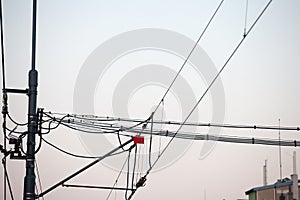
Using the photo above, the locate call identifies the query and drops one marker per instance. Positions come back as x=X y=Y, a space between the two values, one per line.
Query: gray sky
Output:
x=260 y=84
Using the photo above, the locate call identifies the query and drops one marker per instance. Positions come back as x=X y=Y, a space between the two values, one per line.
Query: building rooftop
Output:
x=280 y=183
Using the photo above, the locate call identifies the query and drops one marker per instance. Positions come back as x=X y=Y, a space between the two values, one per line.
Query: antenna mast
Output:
x=280 y=162
x=265 y=182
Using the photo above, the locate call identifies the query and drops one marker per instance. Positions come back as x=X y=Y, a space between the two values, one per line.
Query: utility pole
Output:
x=29 y=180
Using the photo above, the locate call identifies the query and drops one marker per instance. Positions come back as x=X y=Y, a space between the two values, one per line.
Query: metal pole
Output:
x=29 y=180
x=280 y=163
x=4 y=108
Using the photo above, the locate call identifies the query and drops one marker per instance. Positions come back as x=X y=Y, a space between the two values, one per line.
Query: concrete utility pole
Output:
x=29 y=180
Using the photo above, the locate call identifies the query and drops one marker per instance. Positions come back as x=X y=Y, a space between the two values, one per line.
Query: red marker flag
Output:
x=138 y=139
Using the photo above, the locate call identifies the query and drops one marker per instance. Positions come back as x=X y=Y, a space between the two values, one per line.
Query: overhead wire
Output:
x=205 y=124
x=75 y=125
x=192 y=136
x=88 y=130
x=93 y=128
x=138 y=163
x=127 y=177
x=7 y=179
x=61 y=182
x=39 y=178
x=209 y=86
x=224 y=138
x=76 y=155
x=246 y=18
x=121 y=129
x=14 y=130
x=188 y=57
x=279 y=145
x=117 y=179
x=150 y=142
x=15 y=122
x=134 y=166
x=161 y=125
x=132 y=128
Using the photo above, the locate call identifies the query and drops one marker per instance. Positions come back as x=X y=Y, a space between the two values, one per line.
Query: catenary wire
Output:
x=210 y=85
x=189 y=55
x=117 y=179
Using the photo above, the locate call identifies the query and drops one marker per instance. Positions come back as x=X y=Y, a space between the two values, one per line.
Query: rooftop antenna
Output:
x=295 y=187
x=294 y=163
x=280 y=162
x=265 y=174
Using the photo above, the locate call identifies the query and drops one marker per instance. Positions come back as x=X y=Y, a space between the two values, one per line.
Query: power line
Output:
x=210 y=85
x=84 y=168
x=197 y=136
x=39 y=177
x=7 y=178
x=246 y=18
x=77 y=155
x=15 y=122
x=279 y=145
x=93 y=121
x=127 y=177
x=223 y=138
x=189 y=55
x=117 y=179
x=106 y=128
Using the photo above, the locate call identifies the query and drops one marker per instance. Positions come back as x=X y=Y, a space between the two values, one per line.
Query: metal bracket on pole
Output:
x=16 y=91
x=96 y=187
x=83 y=169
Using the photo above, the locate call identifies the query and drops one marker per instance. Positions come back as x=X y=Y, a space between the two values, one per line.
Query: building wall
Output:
x=252 y=196
x=287 y=193
x=274 y=193
x=265 y=194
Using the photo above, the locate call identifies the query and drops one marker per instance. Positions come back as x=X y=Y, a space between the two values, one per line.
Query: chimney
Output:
x=294 y=176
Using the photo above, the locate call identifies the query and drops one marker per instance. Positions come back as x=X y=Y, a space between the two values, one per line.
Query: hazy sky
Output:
x=260 y=84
